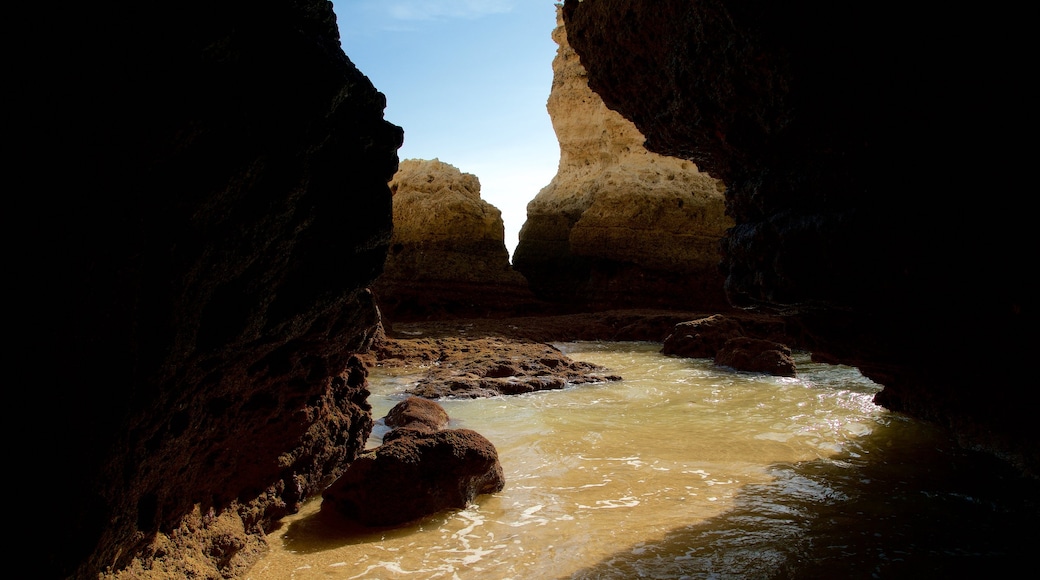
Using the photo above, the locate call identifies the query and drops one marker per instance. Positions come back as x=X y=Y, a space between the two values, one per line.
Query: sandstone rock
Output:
x=416 y=412
x=756 y=355
x=207 y=204
x=618 y=226
x=414 y=476
x=447 y=255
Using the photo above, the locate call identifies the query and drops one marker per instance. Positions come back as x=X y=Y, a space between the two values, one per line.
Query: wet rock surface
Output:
x=724 y=338
x=419 y=470
x=469 y=367
x=466 y=358
x=756 y=355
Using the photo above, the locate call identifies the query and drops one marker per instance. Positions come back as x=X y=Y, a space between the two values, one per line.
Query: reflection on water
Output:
x=684 y=470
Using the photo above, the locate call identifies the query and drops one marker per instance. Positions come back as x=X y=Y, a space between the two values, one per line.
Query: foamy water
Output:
x=680 y=470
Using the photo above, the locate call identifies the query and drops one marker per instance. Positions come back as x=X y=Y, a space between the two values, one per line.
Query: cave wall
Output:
x=870 y=171
x=204 y=201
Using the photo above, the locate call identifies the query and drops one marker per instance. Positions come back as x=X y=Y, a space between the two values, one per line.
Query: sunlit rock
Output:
x=618 y=226
x=448 y=255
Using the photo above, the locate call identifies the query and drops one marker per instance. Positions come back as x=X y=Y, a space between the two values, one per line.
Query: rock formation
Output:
x=844 y=134
x=448 y=255
x=417 y=413
x=618 y=226
x=206 y=202
x=462 y=366
x=418 y=471
x=756 y=348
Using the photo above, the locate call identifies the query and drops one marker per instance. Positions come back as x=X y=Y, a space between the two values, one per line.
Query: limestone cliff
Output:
x=205 y=204
x=845 y=133
x=618 y=225
x=447 y=255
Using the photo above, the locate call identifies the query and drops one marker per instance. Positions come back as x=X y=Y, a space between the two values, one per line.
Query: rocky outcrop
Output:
x=725 y=339
x=809 y=125
x=756 y=355
x=618 y=226
x=703 y=337
x=448 y=255
x=478 y=366
x=416 y=472
x=205 y=205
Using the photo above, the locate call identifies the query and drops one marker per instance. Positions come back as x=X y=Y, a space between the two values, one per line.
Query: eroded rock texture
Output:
x=868 y=169
x=419 y=470
x=456 y=365
x=208 y=203
x=448 y=255
x=618 y=226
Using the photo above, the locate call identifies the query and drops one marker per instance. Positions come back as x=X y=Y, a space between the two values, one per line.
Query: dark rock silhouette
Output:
x=207 y=203
x=725 y=339
x=756 y=355
x=842 y=133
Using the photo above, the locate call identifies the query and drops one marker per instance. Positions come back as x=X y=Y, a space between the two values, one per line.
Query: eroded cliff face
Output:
x=618 y=226
x=207 y=203
x=448 y=255
x=841 y=132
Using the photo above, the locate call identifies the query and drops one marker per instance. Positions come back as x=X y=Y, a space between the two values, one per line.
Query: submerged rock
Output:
x=416 y=472
x=417 y=413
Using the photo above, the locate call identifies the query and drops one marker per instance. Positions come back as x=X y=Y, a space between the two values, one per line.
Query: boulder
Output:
x=447 y=256
x=756 y=355
x=618 y=226
x=701 y=338
x=725 y=339
x=413 y=475
x=417 y=413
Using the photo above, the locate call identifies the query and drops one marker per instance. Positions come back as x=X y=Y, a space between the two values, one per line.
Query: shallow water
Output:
x=687 y=470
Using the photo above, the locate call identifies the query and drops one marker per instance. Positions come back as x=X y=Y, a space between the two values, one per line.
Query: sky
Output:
x=467 y=80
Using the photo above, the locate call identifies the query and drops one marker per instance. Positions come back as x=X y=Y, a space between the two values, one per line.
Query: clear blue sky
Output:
x=468 y=81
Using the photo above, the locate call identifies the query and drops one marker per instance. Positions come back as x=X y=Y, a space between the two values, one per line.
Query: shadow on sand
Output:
x=907 y=503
